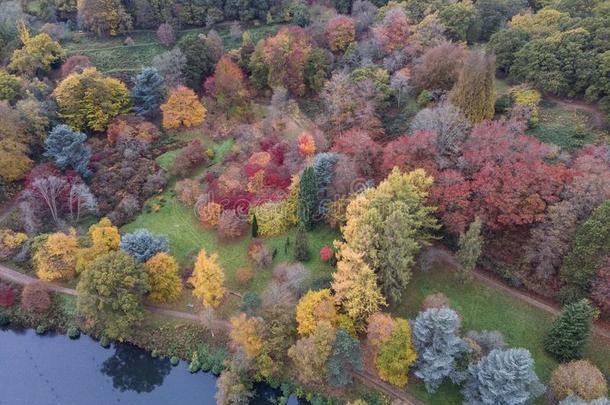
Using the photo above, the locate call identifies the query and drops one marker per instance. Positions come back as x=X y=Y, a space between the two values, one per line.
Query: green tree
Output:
x=396 y=355
x=110 y=293
x=308 y=198
x=254 y=227
x=301 y=246
x=10 y=86
x=344 y=358
x=199 y=61
x=475 y=92
x=570 y=330
x=39 y=53
x=469 y=249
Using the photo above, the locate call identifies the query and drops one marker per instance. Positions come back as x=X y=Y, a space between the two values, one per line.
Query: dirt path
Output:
x=394 y=392
x=599 y=120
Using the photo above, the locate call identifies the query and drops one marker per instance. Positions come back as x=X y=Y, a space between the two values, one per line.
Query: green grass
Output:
x=481 y=308
x=568 y=129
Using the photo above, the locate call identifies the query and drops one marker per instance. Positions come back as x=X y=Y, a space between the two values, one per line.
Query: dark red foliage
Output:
x=35 y=297
x=600 y=287
x=364 y=151
x=326 y=253
x=451 y=194
x=7 y=296
x=411 y=152
x=188 y=158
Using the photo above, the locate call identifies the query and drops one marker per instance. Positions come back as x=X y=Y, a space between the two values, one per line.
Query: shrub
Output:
x=73 y=332
x=142 y=244
x=230 y=225
x=35 y=297
x=165 y=34
x=10 y=242
x=436 y=300
x=105 y=342
x=326 y=253
x=244 y=275
x=41 y=330
x=570 y=330
x=7 y=296
x=259 y=254
x=578 y=378
x=187 y=191
x=209 y=214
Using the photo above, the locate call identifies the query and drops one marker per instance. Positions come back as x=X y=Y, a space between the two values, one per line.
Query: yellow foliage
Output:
x=541 y=24
x=276 y=218
x=182 y=108
x=260 y=158
x=245 y=332
x=526 y=96
x=209 y=214
x=165 y=283
x=314 y=307
x=105 y=238
x=358 y=402
x=396 y=355
x=256 y=183
x=10 y=241
x=208 y=279
x=14 y=161
x=38 y=52
x=55 y=259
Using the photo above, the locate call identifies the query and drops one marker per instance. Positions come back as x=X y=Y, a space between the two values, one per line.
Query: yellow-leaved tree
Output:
x=396 y=355
x=55 y=259
x=314 y=307
x=208 y=279
x=387 y=225
x=355 y=286
x=165 y=283
x=104 y=237
x=182 y=108
x=246 y=333
x=89 y=100
x=38 y=54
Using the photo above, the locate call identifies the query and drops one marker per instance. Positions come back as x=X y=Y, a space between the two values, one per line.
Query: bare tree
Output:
x=81 y=200
x=50 y=189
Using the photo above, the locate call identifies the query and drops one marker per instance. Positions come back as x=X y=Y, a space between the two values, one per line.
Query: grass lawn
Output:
x=481 y=308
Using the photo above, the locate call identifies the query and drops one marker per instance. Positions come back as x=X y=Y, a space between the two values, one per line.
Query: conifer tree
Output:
x=568 y=334
x=68 y=148
x=469 y=249
x=474 y=91
x=344 y=358
x=148 y=92
x=301 y=246
x=308 y=198
x=254 y=227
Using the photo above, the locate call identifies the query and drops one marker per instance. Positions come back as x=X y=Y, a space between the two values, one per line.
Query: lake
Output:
x=55 y=370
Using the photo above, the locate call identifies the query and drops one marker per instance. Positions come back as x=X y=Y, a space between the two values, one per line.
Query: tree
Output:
x=68 y=148
x=301 y=246
x=208 y=279
x=104 y=17
x=475 y=91
x=310 y=354
x=392 y=33
x=494 y=13
x=39 y=53
x=447 y=122
x=439 y=67
x=182 y=108
x=104 y=238
x=142 y=244
x=110 y=293
x=148 y=92
x=505 y=44
x=469 y=249
x=188 y=158
x=35 y=297
x=503 y=377
x=355 y=287
x=55 y=259
x=199 y=62
x=229 y=84
x=300 y=14
x=344 y=358
x=438 y=346
x=165 y=283
x=570 y=330
x=74 y=63
x=396 y=355
x=313 y=308
x=90 y=100
x=578 y=378
x=246 y=332
x=165 y=34
x=591 y=244
x=600 y=287
x=14 y=161
x=308 y=198
x=254 y=226
x=461 y=21
x=232 y=389
x=10 y=86
x=388 y=225
x=171 y=66
x=340 y=32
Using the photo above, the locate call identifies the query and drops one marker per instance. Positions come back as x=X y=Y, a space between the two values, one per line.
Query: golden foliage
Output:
x=246 y=332
x=314 y=307
x=55 y=259
x=105 y=238
x=165 y=283
x=209 y=214
x=396 y=355
x=208 y=280
x=182 y=108
x=10 y=242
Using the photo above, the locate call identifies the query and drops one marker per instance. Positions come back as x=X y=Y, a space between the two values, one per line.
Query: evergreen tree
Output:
x=301 y=247
x=469 y=249
x=308 y=198
x=475 y=90
x=570 y=330
x=438 y=346
x=344 y=358
x=148 y=92
x=502 y=377
x=254 y=227
x=142 y=244
x=68 y=148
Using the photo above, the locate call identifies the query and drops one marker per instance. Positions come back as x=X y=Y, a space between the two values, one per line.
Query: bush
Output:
x=10 y=242
x=105 y=342
x=260 y=256
x=4 y=319
x=251 y=302
x=326 y=253
x=230 y=225
x=209 y=214
x=244 y=275
x=142 y=244
x=174 y=360
x=41 y=330
x=165 y=34
x=187 y=191
x=73 y=332
x=437 y=300
x=7 y=296
x=578 y=378
x=570 y=330
x=35 y=297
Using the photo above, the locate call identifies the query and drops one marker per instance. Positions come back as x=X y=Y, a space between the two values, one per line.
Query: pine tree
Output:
x=475 y=91
x=254 y=227
x=308 y=198
x=301 y=246
x=469 y=249
x=68 y=148
x=344 y=358
x=148 y=92
x=570 y=330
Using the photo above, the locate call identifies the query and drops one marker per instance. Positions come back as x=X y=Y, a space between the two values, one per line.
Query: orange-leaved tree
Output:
x=182 y=108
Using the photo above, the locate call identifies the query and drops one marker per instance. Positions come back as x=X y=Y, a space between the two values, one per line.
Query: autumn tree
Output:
x=14 y=160
x=392 y=33
x=208 y=279
x=379 y=330
x=182 y=108
x=579 y=378
x=340 y=32
x=246 y=332
x=570 y=330
x=103 y=17
x=68 y=149
x=396 y=355
x=388 y=225
x=39 y=53
x=55 y=259
x=11 y=242
x=229 y=84
x=470 y=244
x=89 y=100
x=439 y=67
x=310 y=354
x=166 y=35
x=10 y=86
x=148 y=92
x=355 y=286
x=232 y=389
x=475 y=91
x=344 y=359
x=163 y=277
x=35 y=297
x=313 y=308
x=110 y=293
x=104 y=238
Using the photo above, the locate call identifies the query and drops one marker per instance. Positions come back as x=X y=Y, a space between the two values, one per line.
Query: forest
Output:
x=357 y=202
